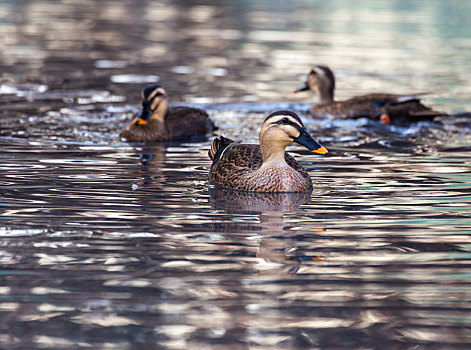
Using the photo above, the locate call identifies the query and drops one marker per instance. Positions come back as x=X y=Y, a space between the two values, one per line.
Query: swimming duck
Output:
x=389 y=108
x=265 y=167
x=158 y=122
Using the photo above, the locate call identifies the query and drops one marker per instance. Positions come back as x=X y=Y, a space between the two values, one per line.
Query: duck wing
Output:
x=403 y=108
x=364 y=106
x=398 y=107
x=218 y=145
x=372 y=105
x=235 y=154
x=231 y=161
x=183 y=122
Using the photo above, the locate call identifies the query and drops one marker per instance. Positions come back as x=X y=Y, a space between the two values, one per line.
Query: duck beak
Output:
x=144 y=116
x=307 y=141
x=303 y=87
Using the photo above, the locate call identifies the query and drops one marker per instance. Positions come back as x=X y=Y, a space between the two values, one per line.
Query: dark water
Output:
x=110 y=245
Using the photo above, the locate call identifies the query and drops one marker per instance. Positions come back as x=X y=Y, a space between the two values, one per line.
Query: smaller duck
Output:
x=265 y=167
x=158 y=122
x=389 y=108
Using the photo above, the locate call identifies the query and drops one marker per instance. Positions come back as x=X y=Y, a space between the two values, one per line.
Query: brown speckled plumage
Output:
x=399 y=108
x=240 y=168
x=175 y=123
x=243 y=167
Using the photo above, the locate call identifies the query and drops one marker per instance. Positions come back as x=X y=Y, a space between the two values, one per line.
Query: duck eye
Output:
x=285 y=121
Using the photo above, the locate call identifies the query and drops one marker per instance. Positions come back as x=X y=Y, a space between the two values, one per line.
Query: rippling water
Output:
x=110 y=245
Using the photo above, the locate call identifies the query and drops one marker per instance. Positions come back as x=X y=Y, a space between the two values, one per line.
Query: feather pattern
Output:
x=240 y=167
x=265 y=167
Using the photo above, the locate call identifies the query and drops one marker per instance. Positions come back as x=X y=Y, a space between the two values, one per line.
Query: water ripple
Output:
x=105 y=244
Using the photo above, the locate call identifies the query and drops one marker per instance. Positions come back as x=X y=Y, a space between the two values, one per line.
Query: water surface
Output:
x=111 y=245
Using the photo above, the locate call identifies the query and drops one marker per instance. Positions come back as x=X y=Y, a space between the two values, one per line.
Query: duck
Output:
x=388 y=108
x=264 y=167
x=158 y=122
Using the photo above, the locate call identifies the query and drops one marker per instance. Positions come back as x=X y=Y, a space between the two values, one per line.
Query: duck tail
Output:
x=211 y=126
x=218 y=145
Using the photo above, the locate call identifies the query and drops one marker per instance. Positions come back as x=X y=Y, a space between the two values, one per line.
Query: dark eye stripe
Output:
x=285 y=121
x=283 y=114
x=159 y=94
x=289 y=122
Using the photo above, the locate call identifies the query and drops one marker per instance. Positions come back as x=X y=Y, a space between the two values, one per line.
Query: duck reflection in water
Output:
x=276 y=251
x=265 y=180
x=152 y=159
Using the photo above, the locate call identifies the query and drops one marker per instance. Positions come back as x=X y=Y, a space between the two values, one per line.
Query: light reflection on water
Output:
x=144 y=253
x=105 y=244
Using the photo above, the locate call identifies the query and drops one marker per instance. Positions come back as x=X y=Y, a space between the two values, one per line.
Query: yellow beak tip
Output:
x=141 y=122
x=321 y=150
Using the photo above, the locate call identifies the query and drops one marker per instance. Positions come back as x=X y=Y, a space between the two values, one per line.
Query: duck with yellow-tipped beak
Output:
x=158 y=122
x=265 y=167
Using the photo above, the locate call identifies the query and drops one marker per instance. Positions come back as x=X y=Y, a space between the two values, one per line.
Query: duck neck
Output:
x=160 y=110
x=326 y=94
x=272 y=153
x=158 y=116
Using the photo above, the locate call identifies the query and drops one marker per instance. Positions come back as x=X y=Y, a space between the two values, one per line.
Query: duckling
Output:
x=389 y=108
x=158 y=122
x=265 y=167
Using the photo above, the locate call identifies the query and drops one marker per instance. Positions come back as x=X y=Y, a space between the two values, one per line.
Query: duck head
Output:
x=282 y=128
x=154 y=104
x=320 y=80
